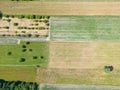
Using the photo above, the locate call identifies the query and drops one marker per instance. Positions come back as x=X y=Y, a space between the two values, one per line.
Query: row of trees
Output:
x=22 y=0
x=27 y=16
x=18 y=85
x=24 y=35
x=1 y=15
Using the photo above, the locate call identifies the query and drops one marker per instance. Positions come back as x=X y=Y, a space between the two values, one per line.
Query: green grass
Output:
x=79 y=87
x=14 y=73
x=85 y=28
x=38 y=49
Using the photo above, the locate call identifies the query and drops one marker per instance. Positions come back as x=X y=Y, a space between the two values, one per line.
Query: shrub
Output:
x=29 y=35
x=35 y=57
x=24 y=50
x=25 y=27
x=23 y=35
x=12 y=16
x=37 y=35
x=30 y=50
x=3 y=34
x=36 y=20
x=36 y=24
x=15 y=24
x=23 y=31
x=7 y=16
x=41 y=57
x=22 y=16
x=22 y=60
x=19 y=35
x=20 y=27
x=37 y=65
x=9 y=53
x=6 y=27
x=27 y=42
x=9 y=20
x=23 y=46
x=1 y=15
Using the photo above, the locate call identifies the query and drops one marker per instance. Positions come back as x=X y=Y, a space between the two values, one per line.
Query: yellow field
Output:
x=84 y=55
x=78 y=76
x=82 y=63
x=20 y=73
x=61 y=8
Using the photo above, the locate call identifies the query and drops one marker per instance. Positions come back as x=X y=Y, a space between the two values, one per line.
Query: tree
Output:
x=30 y=50
x=23 y=46
x=15 y=24
x=22 y=59
x=9 y=53
x=35 y=57
x=1 y=15
x=29 y=35
x=41 y=57
x=27 y=42
x=24 y=50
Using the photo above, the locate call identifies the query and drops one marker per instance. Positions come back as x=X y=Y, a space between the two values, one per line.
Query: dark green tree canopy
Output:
x=1 y=15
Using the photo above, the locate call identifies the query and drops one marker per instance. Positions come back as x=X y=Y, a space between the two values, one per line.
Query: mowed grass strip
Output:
x=70 y=0
x=85 y=28
x=78 y=87
x=60 y=8
x=32 y=54
x=18 y=73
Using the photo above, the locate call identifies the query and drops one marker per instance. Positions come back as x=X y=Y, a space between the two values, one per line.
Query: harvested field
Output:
x=84 y=55
x=85 y=28
x=78 y=76
x=54 y=8
x=21 y=73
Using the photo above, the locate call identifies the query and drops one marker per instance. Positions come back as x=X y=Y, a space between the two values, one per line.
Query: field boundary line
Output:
x=16 y=65
x=83 y=41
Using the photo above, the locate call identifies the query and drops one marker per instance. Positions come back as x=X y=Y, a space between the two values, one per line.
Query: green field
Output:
x=79 y=87
x=85 y=28
x=38 y=50
x=21 y=73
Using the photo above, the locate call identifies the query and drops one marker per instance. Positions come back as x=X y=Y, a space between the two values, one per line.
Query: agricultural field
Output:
x=54 y=8
x=24 y=25
x=79 y=87
x=79 y=76
x=82 y=63
x=84 y=55
x=85 y=28
x=66 y=0
x=24 y=54
x=15 y=73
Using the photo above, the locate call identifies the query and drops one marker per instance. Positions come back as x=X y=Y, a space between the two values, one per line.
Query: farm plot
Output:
x=84 y=55
x=85 y=28
x=15 y=73
x=24 y=25
x=78 y=76
x=25 y=54
x=82 y=63
x=65 y=0
x=54 y=8
x=79 y=87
